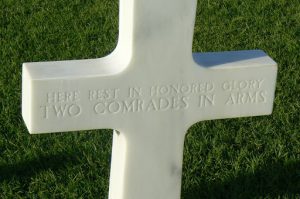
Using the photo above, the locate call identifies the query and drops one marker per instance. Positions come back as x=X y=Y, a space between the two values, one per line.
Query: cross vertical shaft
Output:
x=147 y=162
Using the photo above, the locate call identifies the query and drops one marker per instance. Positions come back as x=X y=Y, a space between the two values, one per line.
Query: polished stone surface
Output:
x=151 y=89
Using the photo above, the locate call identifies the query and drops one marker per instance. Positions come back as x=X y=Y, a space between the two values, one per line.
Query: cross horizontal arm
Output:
x=217 y=85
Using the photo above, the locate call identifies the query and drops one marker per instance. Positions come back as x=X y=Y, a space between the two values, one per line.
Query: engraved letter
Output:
x=230 y=100
x=45 y=110
x=128 y=106
x=114 y=107
x=151 y=106
x=60 y=110
x=74 y=110
x=164 y=104
x=100 y=108
x=135 y=92
x=263 y=97
x=260 y=83
x=206 y=100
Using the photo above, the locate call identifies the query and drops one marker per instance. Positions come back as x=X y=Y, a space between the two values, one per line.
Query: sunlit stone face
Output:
x=151 y=89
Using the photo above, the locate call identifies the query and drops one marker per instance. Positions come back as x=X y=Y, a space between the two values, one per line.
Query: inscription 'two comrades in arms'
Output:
x=154 y=98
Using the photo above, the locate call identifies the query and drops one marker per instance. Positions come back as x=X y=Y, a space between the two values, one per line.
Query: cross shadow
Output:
x=215 y=59
x=272 y=181
x=26 y=169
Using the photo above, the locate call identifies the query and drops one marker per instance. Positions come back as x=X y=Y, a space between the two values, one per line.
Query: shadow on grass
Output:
x=272 y=181
x=23 y=171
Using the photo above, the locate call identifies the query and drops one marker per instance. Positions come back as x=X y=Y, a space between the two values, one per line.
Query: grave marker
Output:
x=151 y=89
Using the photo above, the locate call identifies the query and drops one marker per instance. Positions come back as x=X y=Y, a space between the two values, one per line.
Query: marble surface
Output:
x=151 y=89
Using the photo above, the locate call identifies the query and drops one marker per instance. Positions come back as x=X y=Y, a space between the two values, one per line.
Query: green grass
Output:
x=255 y=157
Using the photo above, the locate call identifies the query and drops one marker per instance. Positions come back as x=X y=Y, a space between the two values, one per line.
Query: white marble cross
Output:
x=151 y=89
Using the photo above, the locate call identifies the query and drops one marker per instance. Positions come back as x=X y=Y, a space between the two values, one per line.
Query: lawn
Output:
x=256 y=157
